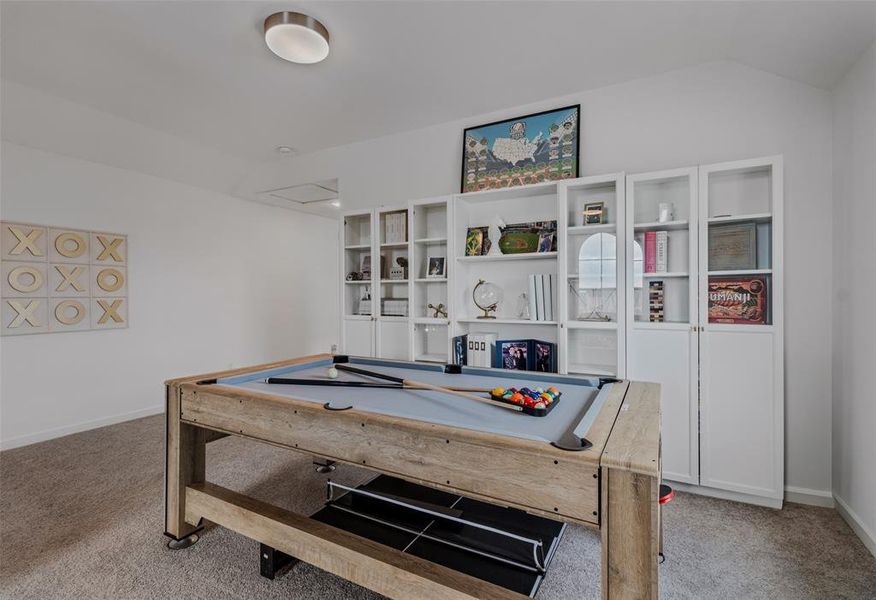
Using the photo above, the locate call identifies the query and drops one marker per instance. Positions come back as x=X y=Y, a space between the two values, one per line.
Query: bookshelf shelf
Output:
x=740 y=272
x=665 y=225
x=430 y=280
x=589 y=229
x=548 y=188
x=427 y=241
x=360 y=282
x=431 y=321
x=394 y=245
x=393 y=281
x=507 y=257
x=607 y=325
x=664 y=326
x=667 y=274
x=358 y=247
x=756 y=217
x=504 y=321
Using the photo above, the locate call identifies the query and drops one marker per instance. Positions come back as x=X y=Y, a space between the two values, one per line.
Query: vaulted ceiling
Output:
x=201 y=71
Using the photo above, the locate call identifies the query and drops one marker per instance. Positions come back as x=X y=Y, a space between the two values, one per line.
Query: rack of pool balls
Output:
x=536 y=402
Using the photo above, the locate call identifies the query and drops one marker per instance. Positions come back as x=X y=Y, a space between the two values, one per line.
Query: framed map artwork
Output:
x=529 y=149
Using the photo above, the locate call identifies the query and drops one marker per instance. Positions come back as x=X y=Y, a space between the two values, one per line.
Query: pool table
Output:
x=593 y=460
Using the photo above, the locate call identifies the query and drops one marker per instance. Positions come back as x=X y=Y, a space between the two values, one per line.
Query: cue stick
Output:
x=365 y=384
x=375 y=375
x=419 y=385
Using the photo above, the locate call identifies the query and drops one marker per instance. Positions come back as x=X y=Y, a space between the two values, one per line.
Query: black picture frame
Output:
x=518 y=180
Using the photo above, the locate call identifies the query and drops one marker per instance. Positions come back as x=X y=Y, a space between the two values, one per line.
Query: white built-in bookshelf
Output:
x=509 y=272
x=591 y=283
x=720 y=380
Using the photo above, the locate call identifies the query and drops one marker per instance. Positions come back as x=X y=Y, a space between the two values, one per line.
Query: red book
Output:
x=650 y=251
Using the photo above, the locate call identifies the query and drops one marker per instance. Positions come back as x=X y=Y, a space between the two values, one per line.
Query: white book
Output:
x=533 y=310
x=661 y=252
x=540 y=297
x=549 y=297
x=471 y=353
x=487 y=347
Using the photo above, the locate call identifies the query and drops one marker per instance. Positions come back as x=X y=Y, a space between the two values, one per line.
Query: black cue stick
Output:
x=419 y=385
x=333 y=382
x=363 y=384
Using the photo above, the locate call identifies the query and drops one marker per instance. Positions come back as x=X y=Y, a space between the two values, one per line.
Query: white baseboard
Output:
x=727 y=495
x=857 y=525
x=808 y=496
x=50 y=434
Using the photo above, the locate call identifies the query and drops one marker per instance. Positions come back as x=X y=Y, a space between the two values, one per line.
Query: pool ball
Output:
x=332 y=373
x=498 y=391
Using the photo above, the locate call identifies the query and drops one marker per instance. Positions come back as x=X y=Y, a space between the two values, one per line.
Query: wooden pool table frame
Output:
x=612 y=486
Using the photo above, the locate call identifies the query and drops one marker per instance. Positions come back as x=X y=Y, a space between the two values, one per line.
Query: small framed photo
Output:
x=477 y=241
x=594 y=213
x=513 y=354
x=435 y=267
x=545 y=241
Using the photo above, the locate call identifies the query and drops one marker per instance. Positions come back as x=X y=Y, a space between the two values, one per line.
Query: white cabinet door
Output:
x=359 y=337
x=393 y=339
x=669 y=357
x=740 y=418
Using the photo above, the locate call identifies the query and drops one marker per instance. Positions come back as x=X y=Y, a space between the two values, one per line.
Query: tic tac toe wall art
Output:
x=57 y=279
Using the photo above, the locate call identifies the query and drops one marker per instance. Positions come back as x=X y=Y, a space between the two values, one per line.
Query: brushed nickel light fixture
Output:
x=296 y=37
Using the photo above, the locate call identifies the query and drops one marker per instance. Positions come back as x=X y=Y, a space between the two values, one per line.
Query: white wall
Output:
x=854 y=283
x=213 y=282
x=710 y=113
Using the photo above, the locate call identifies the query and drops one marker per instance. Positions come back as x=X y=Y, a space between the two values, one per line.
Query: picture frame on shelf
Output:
x=477 y=241
x=512 y=354
x=546 y=241
x=436 y=267
x=594 y=213
x=533 y=148
x=544 y=355
x=733 y=246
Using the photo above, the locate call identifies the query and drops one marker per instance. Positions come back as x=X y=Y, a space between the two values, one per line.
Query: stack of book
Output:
x=655 y=301
x=542 y=291
x=656 y=251
x=396 y=225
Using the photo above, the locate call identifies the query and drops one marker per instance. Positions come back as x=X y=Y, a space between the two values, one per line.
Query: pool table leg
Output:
x=630 y=535
x=186 y=448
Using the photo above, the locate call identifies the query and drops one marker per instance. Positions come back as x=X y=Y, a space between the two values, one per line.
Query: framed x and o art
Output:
x=59 y=279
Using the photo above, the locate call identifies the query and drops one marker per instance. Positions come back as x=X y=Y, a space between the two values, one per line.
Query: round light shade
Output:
x=296 y=37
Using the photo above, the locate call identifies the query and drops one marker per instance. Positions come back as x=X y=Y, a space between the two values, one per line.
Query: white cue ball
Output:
x=332 y=373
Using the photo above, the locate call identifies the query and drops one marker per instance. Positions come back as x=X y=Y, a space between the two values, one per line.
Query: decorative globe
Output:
x=487 y=297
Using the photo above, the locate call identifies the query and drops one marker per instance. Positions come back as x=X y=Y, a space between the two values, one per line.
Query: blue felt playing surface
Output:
x=575 y=412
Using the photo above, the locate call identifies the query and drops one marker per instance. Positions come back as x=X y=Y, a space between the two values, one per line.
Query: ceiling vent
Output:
x=306 y=193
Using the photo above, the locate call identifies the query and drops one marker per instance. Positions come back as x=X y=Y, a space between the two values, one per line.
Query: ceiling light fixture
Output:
x=285 y=149
x=296 y=37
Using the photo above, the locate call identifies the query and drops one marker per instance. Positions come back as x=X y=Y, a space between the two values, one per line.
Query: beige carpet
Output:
x=82 y=518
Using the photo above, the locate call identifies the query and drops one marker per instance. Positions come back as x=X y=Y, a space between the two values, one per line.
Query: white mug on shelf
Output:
x=664 y=212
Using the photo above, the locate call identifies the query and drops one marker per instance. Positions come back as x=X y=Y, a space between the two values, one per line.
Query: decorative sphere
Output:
x=487 y=295
x=332 y=373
